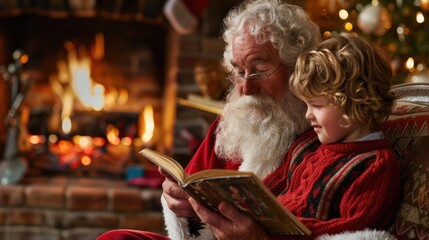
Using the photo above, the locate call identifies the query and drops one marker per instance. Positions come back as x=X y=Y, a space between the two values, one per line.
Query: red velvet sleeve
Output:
x=205 y=157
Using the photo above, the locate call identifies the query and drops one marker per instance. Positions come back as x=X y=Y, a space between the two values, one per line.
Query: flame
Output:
x=149 y=124
x=112 y=135
x=66 y=125
x=89 y=93
x=73 y=82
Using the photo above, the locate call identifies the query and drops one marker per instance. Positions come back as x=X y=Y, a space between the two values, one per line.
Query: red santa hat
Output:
x=184 y=15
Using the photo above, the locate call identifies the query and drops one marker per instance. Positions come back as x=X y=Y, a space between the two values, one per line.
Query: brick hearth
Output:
x=63 y=209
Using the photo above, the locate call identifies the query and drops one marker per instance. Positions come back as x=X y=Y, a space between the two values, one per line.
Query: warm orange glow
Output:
x=36 y=139
x=424 y=4
x=98 y=50
x=348 y=26
x=64 y=146
x=112 y=135
x=86 y=161
x=149 y=124
x=84 y=142
x=24 y=59
x=98 y=141
x=326 y=34
x=122 y=96
x=127 y=141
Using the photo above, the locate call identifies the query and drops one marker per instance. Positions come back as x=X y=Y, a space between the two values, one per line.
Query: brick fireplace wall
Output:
x=63 y=209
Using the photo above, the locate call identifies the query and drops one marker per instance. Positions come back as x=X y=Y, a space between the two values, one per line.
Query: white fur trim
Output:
x=205 y=234
x=177 y=228
x=259 y=168
x=366 y=234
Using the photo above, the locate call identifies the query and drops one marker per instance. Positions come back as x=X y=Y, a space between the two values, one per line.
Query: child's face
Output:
x=329 y=123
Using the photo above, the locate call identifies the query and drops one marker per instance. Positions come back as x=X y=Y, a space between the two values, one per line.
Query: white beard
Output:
x=259 y=130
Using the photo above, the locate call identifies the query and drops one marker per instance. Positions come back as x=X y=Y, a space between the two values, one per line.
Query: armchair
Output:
x=408 y=129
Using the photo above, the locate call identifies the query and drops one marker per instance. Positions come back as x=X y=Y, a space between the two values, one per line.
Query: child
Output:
x=351 y=181
x=345 y=82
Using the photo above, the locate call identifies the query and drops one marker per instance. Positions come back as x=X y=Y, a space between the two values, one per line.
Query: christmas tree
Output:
x=399 y=26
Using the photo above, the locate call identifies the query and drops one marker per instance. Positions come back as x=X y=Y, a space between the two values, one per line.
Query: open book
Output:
x=243 y=189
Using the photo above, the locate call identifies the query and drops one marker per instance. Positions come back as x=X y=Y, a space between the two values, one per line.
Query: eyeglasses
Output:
x=256 y=77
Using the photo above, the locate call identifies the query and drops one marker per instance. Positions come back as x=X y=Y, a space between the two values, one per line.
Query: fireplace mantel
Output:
x=136 y=10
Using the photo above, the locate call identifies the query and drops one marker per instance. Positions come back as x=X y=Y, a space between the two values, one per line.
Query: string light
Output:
x=343 y=14
x=327 y=34
x=420 y=18
x=409 y=64
x=374 y=2
x=392 y=29
x=348 y=26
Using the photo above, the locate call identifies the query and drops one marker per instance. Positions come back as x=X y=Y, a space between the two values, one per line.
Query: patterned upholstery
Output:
x=407 y=128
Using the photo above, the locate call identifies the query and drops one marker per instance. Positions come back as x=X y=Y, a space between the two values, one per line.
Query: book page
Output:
x=203 y=103
x=251 y=197
x=207 y=101
x=171 y=166
x=213 y=173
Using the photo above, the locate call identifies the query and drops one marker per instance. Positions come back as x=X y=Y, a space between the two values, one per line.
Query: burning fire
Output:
x=89 y=93
x=149 y=124
x=113 y=135
x=73 y=83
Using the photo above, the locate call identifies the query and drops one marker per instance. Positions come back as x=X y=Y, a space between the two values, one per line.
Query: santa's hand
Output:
x=176 y=197
x=230 y=224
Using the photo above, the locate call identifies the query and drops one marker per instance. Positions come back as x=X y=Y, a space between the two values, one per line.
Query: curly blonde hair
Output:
x=353 y=73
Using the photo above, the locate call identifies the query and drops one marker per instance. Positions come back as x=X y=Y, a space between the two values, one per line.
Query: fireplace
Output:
x=125 y=57
x=84 y=173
